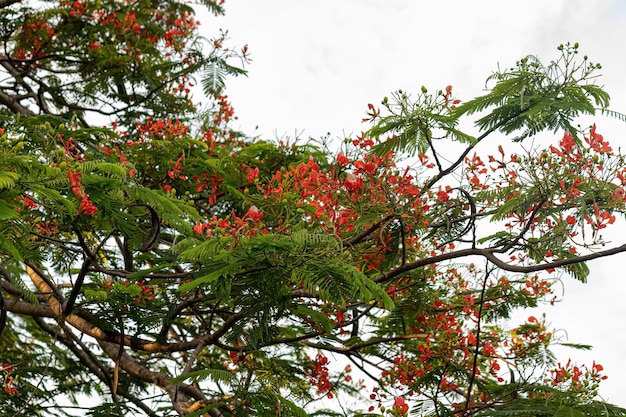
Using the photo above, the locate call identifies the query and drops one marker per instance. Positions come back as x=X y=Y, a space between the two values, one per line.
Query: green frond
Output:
x=165 y=206
x=178 y=222
x=215 y=375
x=107 y=168
x=267 y=401
x=614 y=114
x=54 y=198
x=532 y=98
x=6 y=211
x=316 y=316
x=601 y=97
x=224 y=270
x=305 y=238
x=192 y=251
x=460 y=136
x=215 y=74
x=579 y=271
x=556 y=407
x=8 y=179
x=27 y=293
x=500 y=238
x=577 y=346
x=213 y=6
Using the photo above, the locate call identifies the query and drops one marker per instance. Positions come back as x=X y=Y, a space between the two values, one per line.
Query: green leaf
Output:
x=577 y=346
x=50 y=195
x=215 y=375
x=97 y=296
x=317 y=316
x=116 y=170
x=8 y=179
x=569 y=412
x=226 y=271
x=6 y=211
x=10 y=248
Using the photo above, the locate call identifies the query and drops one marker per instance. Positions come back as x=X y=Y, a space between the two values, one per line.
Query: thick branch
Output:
x=489 y=254
x=358 y=238
x=27 y=309
x=13 y=104
x=7 y=3
x=89 y=360
x=133 y=368
x=84 y=326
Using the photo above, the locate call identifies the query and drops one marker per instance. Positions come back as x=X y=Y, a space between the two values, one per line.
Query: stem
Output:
x=478 y=342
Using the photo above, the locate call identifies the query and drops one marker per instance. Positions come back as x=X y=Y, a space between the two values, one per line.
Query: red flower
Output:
x=442 y=196
x=254 y=213
x=199 y=228
x=86 y=206
x=253 y=175
x=8 y=380
x=30 y=204
x=74 y=178
x=353 y=183
x=400 y=406
x=366 y=166
x=178 y=168
x=596 y=141
x=342 y=160
x=6 y=367
x=567 y=143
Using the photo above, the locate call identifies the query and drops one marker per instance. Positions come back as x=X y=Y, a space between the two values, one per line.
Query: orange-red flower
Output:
x=400 y=406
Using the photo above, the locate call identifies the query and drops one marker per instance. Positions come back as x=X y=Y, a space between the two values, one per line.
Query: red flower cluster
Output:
x=86 y=206
x=9 y=380
x=319 y=375
x=248 y=225
x=576 y=377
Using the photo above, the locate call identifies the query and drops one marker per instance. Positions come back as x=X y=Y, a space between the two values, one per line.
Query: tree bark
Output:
x=7 y=3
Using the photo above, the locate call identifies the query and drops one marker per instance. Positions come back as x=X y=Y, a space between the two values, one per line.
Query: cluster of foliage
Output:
x=168 y=265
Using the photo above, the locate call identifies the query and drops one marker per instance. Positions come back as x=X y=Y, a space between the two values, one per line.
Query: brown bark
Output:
x=490 y=255
x=133 y=368
x=28 y=309
x=7 y=3
x=86 y=327
x=12 y=104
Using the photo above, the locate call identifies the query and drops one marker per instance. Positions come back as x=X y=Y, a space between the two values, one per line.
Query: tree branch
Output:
x=489 y=253
x=358 y=238
x=84 y=326
x=14 y=105
x=27 y=309
x=163 y=381
x=371 y=342
x=7 y=3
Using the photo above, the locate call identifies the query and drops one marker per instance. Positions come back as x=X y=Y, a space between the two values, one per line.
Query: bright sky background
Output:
x=316 y=65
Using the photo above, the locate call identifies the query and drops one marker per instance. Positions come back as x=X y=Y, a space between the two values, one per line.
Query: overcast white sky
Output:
x=316 y=65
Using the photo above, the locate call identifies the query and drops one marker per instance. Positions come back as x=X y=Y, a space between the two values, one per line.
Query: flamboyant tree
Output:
x=155 y=262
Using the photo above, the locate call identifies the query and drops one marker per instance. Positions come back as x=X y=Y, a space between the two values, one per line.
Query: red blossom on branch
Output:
x=86 y=206
x=400 y=407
